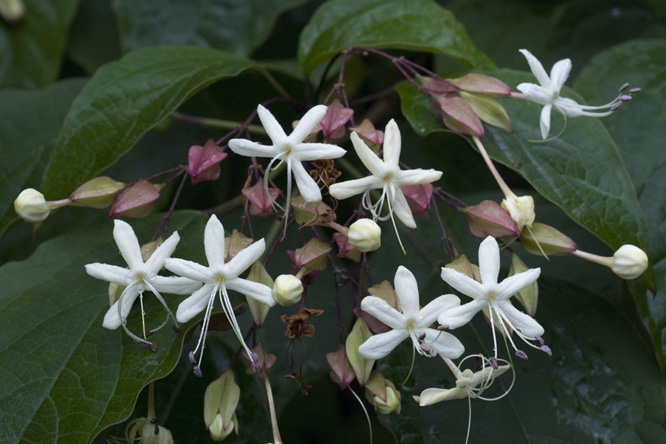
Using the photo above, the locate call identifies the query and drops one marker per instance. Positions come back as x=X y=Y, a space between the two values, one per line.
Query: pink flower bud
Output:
x=136 y=201
x=418 y=197
x=311 y=256
x=261 y=202
x=368 y=132
x=488 y=218
x=345 y=249
x=203 y=162
x=342 y=372
x=335 y=119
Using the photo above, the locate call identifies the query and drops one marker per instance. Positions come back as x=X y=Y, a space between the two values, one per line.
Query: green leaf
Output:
x=124 y=100
x=64 y=377
x=32 y=49
x=236 y=26
x=637 y=128
x=29 y=120
x=581 y=171
x=416 y=25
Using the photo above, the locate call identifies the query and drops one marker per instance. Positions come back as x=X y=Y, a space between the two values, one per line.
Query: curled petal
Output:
x=305 y=183
x=535 y=93
x=445 y=344
x=544 y=120
x=196 y=303
x=434 y=395
x=343 y=190
x=401 y=208
x=383 y=312
x=458 y=316
x=525 y=324
x=255 y=290
x=378 y=346
x=113 y=319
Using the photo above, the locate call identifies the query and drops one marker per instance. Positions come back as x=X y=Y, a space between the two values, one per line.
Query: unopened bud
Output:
x=12 y=10
x=418 y=197
x=365 y=235
x=312 y=256
x=521 y=210
x=217 y=430
x=96 y=193
x=153 y=433
x=488 y=218
x=629 y=262
x=203 y=162
x=382 y=394
x=544 y=239
x=220 y=401
x=31 y=206
x=311 y=213
x=287 y=290
x=135 y=201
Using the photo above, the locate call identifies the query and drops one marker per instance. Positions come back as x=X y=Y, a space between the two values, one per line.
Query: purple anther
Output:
x=255 y=362
x=623 y=87
x=521 y=354
x=192 y=358
x=635 y=90
x=442 y=327
x=540 y=339
x=153 y=347
x=616 y=106
x=425 y=347
x=547 y=350
x=493 y=362
x=176 y=328
x=422 y=337
x=624 y=98
x=433 y=353
x=197 y=371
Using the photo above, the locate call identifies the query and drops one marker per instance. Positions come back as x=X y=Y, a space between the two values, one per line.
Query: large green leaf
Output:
x=125 y=99
x=601 y=384
x=32 y=49
x=64 y=377
x=237 y=26
x=29 y=120
x=417 y=25
x=637 y=128
x=581 y=171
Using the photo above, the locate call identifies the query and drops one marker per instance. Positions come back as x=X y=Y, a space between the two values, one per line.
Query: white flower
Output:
x=139 y=278
x=387 y=175
x=493 y=297
x=521 y=210
x=547 y=93
x=217 y=278
x=409 y=322
x=291 y=149
x=469 y=384
x=629 y=262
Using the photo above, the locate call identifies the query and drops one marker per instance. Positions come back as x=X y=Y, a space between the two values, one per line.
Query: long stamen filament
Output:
x=231 y=317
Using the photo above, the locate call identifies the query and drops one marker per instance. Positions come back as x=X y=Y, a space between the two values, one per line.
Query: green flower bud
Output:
x=629 y=262
x=31 y=206
x=287 y=290
x=365 y=235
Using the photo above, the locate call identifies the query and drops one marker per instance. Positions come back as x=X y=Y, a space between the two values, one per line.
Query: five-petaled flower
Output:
x=387 y=175
x=139 y=278
x=217 y=278
x=493 y=297
x=547 y=93
x=291 y=149
x=410 y=322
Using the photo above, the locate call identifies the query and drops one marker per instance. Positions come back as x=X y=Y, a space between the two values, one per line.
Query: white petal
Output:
x=458 y=316
x=559 y=73
x=195 y=304
x=544 y=121
x=392 y=144
x=343 y=190
x=244 y=259
x=568 y=106
x=489 y=261
x=445 y=344
x=109 y=273
x=271 y=125
x=463 y=283
x=431 y=312
x=316 y=151
x=535 y=93
x=214 y=243
x=537 y=69
x=383 y=312
x=156 y=260
x=401 y=208
x=174 y=284
x=305 y=183
x=373 y=163
x=112 y=319
x=248 y=148
x=513 y=284
x=189 y=269
x=378 y=346
x=434 y=395
x=525 y=324
x=307 y=123
x=407 y=291
x=255 y=290
x=128 y=244
x=416 y=177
